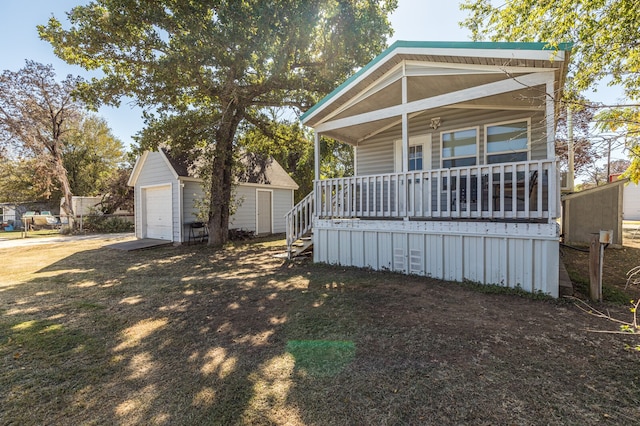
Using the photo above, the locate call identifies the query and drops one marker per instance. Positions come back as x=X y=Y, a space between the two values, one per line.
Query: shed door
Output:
x=264 y=213
x=157 y=205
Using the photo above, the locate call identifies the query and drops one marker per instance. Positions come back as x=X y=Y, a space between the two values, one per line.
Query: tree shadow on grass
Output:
x=166 y=336
x=190 y=336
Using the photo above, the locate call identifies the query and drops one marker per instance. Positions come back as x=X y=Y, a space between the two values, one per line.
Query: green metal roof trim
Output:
x=438 y=45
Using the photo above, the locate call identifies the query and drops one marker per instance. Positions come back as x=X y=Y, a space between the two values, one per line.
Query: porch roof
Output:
x=434 y=69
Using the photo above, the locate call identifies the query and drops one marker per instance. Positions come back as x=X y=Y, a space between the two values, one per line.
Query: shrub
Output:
x=107 y=224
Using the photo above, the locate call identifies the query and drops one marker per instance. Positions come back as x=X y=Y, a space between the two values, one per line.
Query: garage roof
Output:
x=255 y=169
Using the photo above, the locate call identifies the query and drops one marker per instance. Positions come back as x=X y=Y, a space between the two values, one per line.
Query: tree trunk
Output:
x=222 y=177
x=61 y=174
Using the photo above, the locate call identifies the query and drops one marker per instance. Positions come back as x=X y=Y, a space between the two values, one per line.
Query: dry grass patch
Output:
x=185 y=335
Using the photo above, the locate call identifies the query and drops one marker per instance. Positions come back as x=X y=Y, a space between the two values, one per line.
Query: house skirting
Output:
x=524 y=255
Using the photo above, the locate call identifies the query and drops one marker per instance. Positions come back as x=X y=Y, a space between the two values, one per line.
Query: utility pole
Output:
x=608 y=159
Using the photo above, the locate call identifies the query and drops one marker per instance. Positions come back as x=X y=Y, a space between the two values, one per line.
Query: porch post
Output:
x=405 y=128
x=316 y=165
x=405 y=149
x=316 y=152
x=551 y=119
x=554 y=175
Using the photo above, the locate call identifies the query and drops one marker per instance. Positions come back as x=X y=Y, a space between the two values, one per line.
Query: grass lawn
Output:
x=14 y=235
x=187 y=336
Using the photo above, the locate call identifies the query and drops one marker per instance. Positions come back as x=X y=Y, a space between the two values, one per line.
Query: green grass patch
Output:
x=322 y=357
x=39 y=339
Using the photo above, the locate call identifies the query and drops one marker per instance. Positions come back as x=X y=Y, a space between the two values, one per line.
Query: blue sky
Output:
x=432 y=20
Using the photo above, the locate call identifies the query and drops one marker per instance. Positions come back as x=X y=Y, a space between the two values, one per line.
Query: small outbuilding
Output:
x=167 y=196
x=588 y=212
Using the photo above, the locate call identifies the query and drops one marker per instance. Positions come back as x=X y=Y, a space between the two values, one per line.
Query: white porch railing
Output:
x=299 y=220
x=525 y=190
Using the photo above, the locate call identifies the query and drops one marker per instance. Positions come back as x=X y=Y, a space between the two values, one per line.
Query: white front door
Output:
x=422 y=147
x=157 y=208
x=419 y=159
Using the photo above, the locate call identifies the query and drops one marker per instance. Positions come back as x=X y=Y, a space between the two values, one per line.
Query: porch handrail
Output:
x=299 y=219
x=522 y=190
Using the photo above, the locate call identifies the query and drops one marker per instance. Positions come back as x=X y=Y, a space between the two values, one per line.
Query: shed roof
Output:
x=256 y=169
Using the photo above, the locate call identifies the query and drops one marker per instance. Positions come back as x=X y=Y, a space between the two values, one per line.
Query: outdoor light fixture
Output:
x=435 y=123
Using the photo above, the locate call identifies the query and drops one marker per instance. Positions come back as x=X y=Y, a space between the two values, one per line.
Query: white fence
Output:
x=524 y=190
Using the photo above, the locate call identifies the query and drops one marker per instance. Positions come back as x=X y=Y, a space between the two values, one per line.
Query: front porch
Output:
x=454 y=171
x=492 y=224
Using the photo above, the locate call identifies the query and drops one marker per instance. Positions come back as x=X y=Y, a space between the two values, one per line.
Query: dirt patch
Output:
x=617 y=262
x=189 y=336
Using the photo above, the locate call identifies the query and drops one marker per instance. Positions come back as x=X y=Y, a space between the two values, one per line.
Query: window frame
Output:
x=442 y=158
x=415 y=146
x=527 y=150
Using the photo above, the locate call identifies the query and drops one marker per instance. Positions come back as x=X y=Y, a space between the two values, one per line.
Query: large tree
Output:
x=92 y=154
x=35 y=116
x=604 y=34
x=209 y=66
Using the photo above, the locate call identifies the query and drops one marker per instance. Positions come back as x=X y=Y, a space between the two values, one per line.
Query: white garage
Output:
x=156 y=202
x=167 y=197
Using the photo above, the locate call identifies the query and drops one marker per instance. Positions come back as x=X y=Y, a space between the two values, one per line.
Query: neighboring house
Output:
x=81 y=206
x=8 y=215
x=631 y=205
x=455 y=169
x=167 y=197
x=631 y=198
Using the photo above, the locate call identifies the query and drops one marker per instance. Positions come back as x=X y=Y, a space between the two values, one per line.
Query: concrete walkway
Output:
x=32 y=241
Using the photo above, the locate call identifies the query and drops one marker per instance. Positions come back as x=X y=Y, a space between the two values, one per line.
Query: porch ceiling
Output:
x=423 y=87
x=530 y=99
x=435 y=69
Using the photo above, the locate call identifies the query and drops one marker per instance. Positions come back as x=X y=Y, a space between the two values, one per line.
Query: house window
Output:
x=507 y=142
x=459 y=148
x=415 y=157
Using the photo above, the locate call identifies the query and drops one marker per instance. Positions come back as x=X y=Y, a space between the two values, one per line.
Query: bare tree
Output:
x=35 y=114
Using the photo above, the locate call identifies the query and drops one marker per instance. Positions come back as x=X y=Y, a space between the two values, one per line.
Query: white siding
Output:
x=192 y=197
x=245 y=215
x=282 y=203
x=375 y=155
x=631 y=202
x=522 y=255
x=245 y=208
x=156 y=171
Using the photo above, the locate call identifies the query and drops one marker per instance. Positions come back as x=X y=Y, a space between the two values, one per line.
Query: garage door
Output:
x=158 y=212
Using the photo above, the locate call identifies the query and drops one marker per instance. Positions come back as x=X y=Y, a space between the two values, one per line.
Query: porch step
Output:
x=301 y=246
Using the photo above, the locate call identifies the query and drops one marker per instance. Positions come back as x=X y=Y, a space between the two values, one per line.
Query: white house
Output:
x=8 y=214
x=166 y=197
x=455 y=169
x=631 y=202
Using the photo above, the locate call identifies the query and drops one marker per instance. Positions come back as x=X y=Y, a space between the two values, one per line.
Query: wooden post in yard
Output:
x=595 y=270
